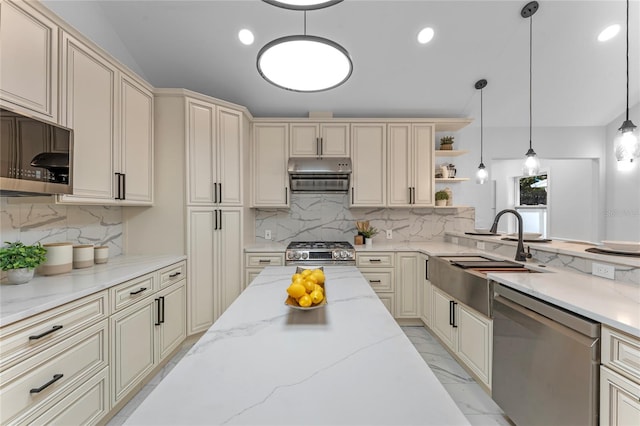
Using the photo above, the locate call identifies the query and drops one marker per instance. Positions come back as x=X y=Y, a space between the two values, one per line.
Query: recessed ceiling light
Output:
x=246 y=36
x=425 y=35
x=302 y=4
x=608 y=33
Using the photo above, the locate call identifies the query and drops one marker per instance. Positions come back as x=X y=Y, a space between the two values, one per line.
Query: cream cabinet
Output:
x=254 y=263
x=369 y=161
x=270 y=154
x=378 y=268
x=214 y=153
x=215 y=264
x=319 y=140
x=425 y=290
x=407 y=300
x=467 y=333
x=410 y=153
x=29 y=65
x=619 y=378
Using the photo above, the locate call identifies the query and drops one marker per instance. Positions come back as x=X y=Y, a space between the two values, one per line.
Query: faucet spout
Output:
x=521 y=255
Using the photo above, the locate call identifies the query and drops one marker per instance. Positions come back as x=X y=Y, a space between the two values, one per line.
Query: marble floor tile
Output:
x=472 y=399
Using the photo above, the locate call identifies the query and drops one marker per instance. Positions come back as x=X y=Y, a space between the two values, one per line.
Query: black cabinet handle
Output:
x=375 y=260
x=454 y=315
x=158 y=321
x=352 y=196
x=318 y=146
x=133 y=293
x=321 y=147
x=162 y=303
x=286 y=195
x=450 y=312
x=56 y=377
x=175 y=274
x=118 y=186
x=215 y=193
x=124 y=186
x=264 y=261
x=38 y=336
x=375 y=281
x=220 y=192
x=426 y=269
x=409 y=195
x=215 y=220
x=220 y=224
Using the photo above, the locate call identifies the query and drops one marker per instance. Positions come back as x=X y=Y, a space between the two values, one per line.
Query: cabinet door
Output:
x=426 y=291
x=619 y=399
x=407 y=301
x=229 y=157
x=304 y=140
x=475 y=339
x=270 y=156
x=202 y=171
x=441 y=317
x=132 y=347
x=422 y=136
x=387 y=300
x=172 y=329
x=229 y=280
x=88 y=93
x=400 y=164
x=136 y=141
x=200 y=259
x=29 y=69
x=368 y=155
x=335 y=140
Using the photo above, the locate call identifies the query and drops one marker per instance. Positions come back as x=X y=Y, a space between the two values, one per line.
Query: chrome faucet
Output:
x=521 y=255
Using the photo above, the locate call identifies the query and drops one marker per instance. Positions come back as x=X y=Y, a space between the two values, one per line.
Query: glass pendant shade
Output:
x=302 y=4
x=626 y=144
x=482 y=175
x=304 y=63
x=531 y=164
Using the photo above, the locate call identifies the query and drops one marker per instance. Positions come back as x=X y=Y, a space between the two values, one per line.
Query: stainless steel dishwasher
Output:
x=545 y=361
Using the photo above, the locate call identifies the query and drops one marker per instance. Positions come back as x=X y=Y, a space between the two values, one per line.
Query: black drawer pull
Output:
x=133 y=293
x=56 y=377
x=375 y=281
x=375 y=260
x=175 y=274
x=54 y=328
x=264 y=261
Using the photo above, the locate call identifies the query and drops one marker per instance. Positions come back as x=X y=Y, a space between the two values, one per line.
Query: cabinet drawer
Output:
x=86 y=405
x=24 y=338
x=52 y=372
x=172 y=274
x=130 y=292
x=264 y=259
x=374 y=259
x=380 y=279
x=621 y=352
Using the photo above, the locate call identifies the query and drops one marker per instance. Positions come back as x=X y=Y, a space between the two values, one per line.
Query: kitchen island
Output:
x=263 y=362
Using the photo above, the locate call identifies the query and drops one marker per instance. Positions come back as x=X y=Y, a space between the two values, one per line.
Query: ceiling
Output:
x=577 y=81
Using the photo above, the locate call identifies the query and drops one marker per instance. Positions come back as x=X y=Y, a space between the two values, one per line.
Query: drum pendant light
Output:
x=532 y=163
x=626 y=144
x=304 y=63
x=302 y=4
x=481 y=174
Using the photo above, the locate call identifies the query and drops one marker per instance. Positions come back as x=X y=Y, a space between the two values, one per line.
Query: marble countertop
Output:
x=18 y=302
x=265 y=363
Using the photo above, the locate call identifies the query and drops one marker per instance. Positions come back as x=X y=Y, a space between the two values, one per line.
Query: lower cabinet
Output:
x=467 y=333
x=254 y=263
x=425 y=292
x=378 y=269
x=407 y=300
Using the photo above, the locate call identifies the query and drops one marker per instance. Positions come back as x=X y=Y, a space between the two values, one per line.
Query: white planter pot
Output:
x=368 y=242
x=440 y=203
x=19 y=276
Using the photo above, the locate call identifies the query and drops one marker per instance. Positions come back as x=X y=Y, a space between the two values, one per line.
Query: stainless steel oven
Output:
x=320 y=253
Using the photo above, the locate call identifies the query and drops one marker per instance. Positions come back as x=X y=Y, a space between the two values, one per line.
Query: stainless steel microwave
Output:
x=36 y=157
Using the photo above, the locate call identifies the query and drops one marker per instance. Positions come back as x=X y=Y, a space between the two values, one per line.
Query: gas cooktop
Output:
x=320 y=253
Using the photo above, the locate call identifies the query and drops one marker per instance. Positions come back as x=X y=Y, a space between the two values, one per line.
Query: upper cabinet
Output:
x=214 y=152
x=270 y=180
x=111 y=114
x=29 y=65
x=410 y=153
x=319 y=140
x=369 y=158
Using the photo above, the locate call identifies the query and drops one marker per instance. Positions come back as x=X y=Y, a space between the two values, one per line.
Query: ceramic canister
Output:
x=101 y=254
x=82 y=256
x=59 y=259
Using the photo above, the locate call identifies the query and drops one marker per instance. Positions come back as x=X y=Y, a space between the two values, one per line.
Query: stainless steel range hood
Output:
x=319 y=175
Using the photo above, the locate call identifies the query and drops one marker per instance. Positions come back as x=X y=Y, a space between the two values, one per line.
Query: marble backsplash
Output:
x=327 y=217
x=45 y=222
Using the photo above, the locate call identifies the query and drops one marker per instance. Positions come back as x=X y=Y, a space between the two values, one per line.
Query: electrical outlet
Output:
x=389 y=234
x=480 y=245
x=603 y=270
x=267 y=234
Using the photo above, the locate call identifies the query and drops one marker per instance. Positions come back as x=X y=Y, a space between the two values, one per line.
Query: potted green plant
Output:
x=20 y=260
x=446 y=143
x=441 y=198
x=366 y=231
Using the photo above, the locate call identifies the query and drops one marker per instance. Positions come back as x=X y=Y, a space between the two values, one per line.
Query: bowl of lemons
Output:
x=306 y=290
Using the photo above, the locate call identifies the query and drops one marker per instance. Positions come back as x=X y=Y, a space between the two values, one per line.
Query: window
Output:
x=531 y=202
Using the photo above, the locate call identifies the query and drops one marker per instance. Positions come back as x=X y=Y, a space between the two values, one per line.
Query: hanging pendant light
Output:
x=532 y=163
x=304 y=63
x=481 y=175
x=302 y=4
x=626 y=144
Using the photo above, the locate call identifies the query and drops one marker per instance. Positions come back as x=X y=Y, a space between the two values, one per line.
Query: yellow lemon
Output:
x=298 y=280
x=312 y=278
x=319 y=288
x=308 y=285
x=316 y=297
x=304 y=301
x=318 y=275
x=294 y=277
x=305 y=272
x=296 y=290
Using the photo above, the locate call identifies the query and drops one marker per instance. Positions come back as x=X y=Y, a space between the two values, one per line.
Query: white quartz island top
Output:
x=265 y=363
x=21 y=301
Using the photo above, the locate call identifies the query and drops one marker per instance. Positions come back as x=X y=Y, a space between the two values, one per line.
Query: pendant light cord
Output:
x=481 y=125
x=627 y=60
x=305 y=22
x=531 y=77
